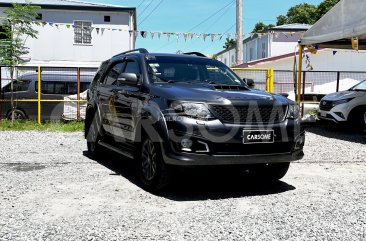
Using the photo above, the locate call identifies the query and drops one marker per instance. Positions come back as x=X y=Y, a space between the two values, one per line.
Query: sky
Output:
x=190 y=15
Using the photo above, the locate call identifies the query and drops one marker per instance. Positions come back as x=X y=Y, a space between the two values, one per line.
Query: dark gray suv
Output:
x=165 y=110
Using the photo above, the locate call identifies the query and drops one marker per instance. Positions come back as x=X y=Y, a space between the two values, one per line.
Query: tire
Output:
x=270 y=171
x=18 y=115
x=154 y=173
x=357 y=119
x=92 y=135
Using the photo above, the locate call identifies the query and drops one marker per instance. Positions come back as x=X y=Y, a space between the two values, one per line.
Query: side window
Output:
x=51 y=87
x=18 y=85
x=132 y=67
x=113 y=74
x=97 y=77
x=71 y=88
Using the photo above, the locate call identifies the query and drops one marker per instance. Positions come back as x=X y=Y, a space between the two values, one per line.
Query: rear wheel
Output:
x=18 y=115
x=154 y=173
x=270 y=171
x=357 y=119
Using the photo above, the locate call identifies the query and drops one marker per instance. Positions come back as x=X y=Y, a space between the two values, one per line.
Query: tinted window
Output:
x=132 y=67
x=18 y=85
x=51 y=87
x=72 y=88
x=113 y=74
x=191 y=70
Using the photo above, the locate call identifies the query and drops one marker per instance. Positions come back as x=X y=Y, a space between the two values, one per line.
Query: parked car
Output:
x=165 y=110
x=345 y=106
x=55 y=86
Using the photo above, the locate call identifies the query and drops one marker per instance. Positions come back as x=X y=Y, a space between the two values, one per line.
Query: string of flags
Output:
x=169 y=35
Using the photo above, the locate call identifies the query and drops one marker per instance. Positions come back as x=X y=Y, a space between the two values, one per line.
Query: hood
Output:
x=211 y=94
x=343 y=95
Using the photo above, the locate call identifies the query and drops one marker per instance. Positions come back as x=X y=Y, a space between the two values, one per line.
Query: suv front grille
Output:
x=250 y=114
x=325 y=105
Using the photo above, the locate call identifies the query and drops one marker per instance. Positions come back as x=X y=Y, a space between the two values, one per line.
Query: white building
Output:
x=276 y=41
x=323 y=60
x=76 y=33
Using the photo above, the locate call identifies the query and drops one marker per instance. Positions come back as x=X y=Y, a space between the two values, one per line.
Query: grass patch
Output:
x=28 y=125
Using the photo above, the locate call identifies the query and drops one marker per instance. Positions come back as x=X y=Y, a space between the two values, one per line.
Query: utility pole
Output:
x=239 y=32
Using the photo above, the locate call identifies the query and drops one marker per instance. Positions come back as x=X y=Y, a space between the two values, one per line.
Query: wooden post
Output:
x=78 y=95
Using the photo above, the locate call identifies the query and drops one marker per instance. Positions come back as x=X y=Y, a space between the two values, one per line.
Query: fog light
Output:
x=300 y=141
x=340 y=114
x=186 y=143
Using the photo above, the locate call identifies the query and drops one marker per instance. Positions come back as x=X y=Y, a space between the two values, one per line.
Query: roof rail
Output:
x=196 y=53
x=140 y=50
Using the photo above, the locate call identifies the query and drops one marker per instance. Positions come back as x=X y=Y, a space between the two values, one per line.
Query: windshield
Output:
x=190 y=70
x=360 y=87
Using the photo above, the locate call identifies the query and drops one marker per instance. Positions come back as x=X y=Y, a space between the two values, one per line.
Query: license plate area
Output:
x=258 y=136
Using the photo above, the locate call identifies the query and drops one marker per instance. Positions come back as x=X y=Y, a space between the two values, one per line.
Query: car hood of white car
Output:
x=344 y=95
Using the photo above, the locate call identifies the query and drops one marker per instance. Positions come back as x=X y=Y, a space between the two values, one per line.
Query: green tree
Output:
x=306 y=13
x=325 y=6
x=16 y=28
x=302 y=13
x=261 y=27
x=229 y=43
x=281 y=20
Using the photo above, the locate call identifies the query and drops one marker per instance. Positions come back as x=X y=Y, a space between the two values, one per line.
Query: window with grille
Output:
x=82 y=32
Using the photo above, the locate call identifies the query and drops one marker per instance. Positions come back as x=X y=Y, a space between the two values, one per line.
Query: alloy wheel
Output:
x=148 y=160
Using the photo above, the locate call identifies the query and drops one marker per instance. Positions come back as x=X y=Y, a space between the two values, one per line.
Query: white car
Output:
x=346 y=106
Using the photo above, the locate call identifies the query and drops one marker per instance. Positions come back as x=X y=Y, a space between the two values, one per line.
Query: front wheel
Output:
x=154 y=173
x=357 y=119
x=270 y=171
x=92 y=134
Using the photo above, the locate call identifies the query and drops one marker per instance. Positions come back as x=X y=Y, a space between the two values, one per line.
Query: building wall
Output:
x=55 y=46
x=228 y=57
x=343 y=60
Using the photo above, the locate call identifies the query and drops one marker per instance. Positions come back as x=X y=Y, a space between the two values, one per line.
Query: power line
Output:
x=161 y=1
x=216 y=20
x=147 y=6
x=140 y=3
x=209 y=17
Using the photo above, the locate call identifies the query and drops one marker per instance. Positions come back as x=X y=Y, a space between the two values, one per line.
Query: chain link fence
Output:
x=61 y=94
x=63 y=88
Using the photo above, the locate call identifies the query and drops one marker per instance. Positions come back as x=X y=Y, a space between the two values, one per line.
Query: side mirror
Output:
x=127 y=79
x=250 y=82
x=284 y=94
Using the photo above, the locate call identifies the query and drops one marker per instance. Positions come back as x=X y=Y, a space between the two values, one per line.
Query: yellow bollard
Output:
x=39 y=95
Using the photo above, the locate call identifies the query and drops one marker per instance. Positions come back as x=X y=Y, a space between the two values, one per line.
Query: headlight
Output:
x=338 y=102
x=293 y=111
x=194 y=110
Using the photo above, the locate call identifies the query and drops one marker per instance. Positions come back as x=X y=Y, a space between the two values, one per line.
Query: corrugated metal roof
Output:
x=63 y=3
x=292 y=26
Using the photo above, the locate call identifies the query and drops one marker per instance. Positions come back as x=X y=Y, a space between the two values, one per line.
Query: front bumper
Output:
x=190 y=159
x=212 y=149
x=331 y=116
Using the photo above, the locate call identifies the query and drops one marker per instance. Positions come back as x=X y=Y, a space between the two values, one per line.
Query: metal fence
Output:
x=51 y=99
x=43 y=93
